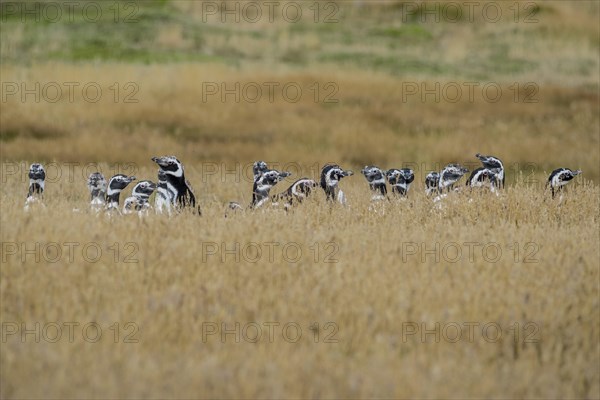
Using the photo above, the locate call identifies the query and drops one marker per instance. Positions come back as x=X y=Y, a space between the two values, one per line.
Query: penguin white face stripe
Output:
x=400 y=180
x=374 y=175
x=138 y=200
x=490 y=161
x=174 y=175
x=392 y=176
x=170 y=165
x=495 y=165
x=450 y=175
x=376 y=179
x=37 y=179
x=334 y=176
x=560 y=177
x=143 y=189
x=116 y=184
x=432 y=182
x=263 y=185
x=331 y=174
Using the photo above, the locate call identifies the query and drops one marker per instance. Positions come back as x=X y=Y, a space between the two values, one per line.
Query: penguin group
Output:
x=174 y=193
x=265 y=179
x=491 y=175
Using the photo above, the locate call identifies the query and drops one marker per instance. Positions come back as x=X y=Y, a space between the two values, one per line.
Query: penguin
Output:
x=264 y=180
x=37 y=180
x=449 y=176
x=493 y=163
x=263 y=185
x=97 y=186
x=559 y=178
x=331 y=174
x=116 y=184
x=400 y=180
x=432 y=180
x=176 y=182
x=139 y=199
x=297 y=192
x=376 y=179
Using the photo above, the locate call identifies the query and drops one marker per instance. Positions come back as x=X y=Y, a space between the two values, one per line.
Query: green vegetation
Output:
x=391 y=37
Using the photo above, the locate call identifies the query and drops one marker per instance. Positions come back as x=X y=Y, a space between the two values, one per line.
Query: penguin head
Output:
x=490 y=161
x=96 y=183
x=143 y=189
x=373 y=174
x=119 y=182
x=393 y=176
x=331 y=174
x=258 y=168
x=270 y=178
x=37 y=172
x=170 y=165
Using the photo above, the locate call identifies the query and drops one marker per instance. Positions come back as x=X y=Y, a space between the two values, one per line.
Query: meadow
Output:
x=483 y=296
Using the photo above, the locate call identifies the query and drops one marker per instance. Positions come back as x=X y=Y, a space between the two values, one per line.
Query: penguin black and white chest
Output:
x=450 y=175
x=400 y=180
x=164 y=197
x=560 y=177
x=97 y=186
x=138 y=201
x=478 y=177
x=376 y=179
x=297 y=192
x=432 y=180
x=260 y=186
x=331 y=174
x=263 y=184
x=116 y=184
x=37 y=180
x=494 y=165
x=176 y=182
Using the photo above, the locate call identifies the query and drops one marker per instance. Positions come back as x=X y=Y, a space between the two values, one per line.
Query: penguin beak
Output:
x=284 y=174
x=160 y=161
x=578 y=172
x=131 y=179
x=348 y=173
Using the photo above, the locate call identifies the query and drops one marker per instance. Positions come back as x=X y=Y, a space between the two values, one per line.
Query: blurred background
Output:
x=389 y=83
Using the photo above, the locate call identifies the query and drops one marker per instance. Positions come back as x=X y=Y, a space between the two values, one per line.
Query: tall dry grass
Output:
x=375 y=288
x=374 y=121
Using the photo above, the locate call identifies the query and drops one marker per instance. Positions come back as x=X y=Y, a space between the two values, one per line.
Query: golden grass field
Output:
x=522 y=265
